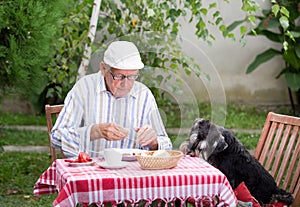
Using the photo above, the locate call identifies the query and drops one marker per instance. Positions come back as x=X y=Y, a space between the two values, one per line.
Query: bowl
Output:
x=149 y=162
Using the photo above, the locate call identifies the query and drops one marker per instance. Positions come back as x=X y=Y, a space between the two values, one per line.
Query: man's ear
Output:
x=102 y=68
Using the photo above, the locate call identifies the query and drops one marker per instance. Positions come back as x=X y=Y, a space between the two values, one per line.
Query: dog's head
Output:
x=206 y=139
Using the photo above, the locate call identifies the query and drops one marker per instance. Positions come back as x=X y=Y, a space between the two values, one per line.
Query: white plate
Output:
x=129 y=154
x=107 y=166
x=75 y=164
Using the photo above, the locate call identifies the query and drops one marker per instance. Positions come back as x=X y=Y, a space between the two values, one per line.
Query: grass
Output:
x=19 y=171
x=249 y=140
x=245 y=117
x=242 y=117
x=23 y=137
x=21 y=119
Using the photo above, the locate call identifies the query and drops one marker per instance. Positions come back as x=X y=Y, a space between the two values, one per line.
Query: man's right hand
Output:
x=109 y=131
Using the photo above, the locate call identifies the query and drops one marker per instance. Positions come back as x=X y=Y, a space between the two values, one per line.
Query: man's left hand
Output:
x=146 y=135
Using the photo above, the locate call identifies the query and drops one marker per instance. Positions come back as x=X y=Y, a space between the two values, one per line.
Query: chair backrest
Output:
x=278 y=151
x=51 y=116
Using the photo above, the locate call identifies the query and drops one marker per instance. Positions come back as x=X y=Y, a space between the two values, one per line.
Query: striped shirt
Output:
x=89 y=103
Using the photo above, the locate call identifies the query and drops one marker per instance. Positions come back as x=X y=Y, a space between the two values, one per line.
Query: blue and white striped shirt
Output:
x=90 y=103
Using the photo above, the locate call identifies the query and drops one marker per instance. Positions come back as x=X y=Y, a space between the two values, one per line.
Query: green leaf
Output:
x=295 y=34
x=200 y=25
x=50 y=92
x=270 y=35
x=268 y=23
x=212 y=37
x=285 y=12
x=243 y=30
x=121 y=21
x=289 y=34
x=174 y=66
x=275 y=9
x=203 y=11
x=216 y=14
x=251 y=19
x=262 y=58
x=290 y=56
x=219 y=19
x=59 y=89
x=231 y=35
x=293 y=80
x=234 y=25
x=213 y=5
x=222 y=28
x=159 y=78
x=284 y=22
x=187 y=71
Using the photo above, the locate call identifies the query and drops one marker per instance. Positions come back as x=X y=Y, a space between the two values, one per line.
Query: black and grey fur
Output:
x=219 y=147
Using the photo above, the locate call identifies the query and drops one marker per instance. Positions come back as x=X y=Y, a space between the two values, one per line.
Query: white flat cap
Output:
x=123 y=55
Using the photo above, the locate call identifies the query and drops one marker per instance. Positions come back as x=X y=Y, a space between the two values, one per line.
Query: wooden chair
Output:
x=51 y=116
x=278 y=151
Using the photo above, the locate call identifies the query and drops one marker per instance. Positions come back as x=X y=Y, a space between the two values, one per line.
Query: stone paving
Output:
x=38 y=149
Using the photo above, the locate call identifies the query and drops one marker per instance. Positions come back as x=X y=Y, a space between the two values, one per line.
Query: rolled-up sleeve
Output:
x=164 y=142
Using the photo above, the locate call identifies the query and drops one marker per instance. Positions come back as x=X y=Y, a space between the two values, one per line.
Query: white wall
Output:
x=230 y=60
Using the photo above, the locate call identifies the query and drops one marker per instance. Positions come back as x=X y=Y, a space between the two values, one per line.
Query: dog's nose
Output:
x=191 y=153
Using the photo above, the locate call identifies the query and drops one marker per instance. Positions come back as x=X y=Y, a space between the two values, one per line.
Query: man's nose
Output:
x=124 y=82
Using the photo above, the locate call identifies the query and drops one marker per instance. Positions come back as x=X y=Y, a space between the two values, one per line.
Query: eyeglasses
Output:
x=120 y=76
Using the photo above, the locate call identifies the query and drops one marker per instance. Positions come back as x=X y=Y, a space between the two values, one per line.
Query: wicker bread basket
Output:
x=149 y=162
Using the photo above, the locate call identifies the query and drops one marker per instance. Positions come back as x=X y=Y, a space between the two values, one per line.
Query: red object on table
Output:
x=192 y=178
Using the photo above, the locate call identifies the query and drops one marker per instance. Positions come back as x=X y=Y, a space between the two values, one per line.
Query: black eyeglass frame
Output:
x=120 y=76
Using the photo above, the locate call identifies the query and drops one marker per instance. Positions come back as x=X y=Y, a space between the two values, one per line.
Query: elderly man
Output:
x=110 y=109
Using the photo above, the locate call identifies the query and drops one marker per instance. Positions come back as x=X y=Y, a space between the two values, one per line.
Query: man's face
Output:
x=121 y=87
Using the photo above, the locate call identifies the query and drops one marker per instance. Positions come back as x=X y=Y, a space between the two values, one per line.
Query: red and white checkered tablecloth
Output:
x=193 y=178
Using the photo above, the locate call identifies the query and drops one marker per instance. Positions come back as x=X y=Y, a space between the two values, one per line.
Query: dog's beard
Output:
x=202 y=149
x=192 y=148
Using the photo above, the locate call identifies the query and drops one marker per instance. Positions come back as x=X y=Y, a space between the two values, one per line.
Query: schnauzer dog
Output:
x=219 y=147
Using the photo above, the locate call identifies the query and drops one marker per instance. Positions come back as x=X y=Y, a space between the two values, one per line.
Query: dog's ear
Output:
x=221 y=145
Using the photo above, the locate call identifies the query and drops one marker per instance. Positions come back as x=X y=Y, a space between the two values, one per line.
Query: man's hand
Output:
x=146 y=135
x=109 y=131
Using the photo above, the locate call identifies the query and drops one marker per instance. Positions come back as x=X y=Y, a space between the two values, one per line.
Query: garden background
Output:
x=197 y=55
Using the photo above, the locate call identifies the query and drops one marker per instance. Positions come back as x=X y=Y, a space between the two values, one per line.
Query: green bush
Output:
x=29 y=30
